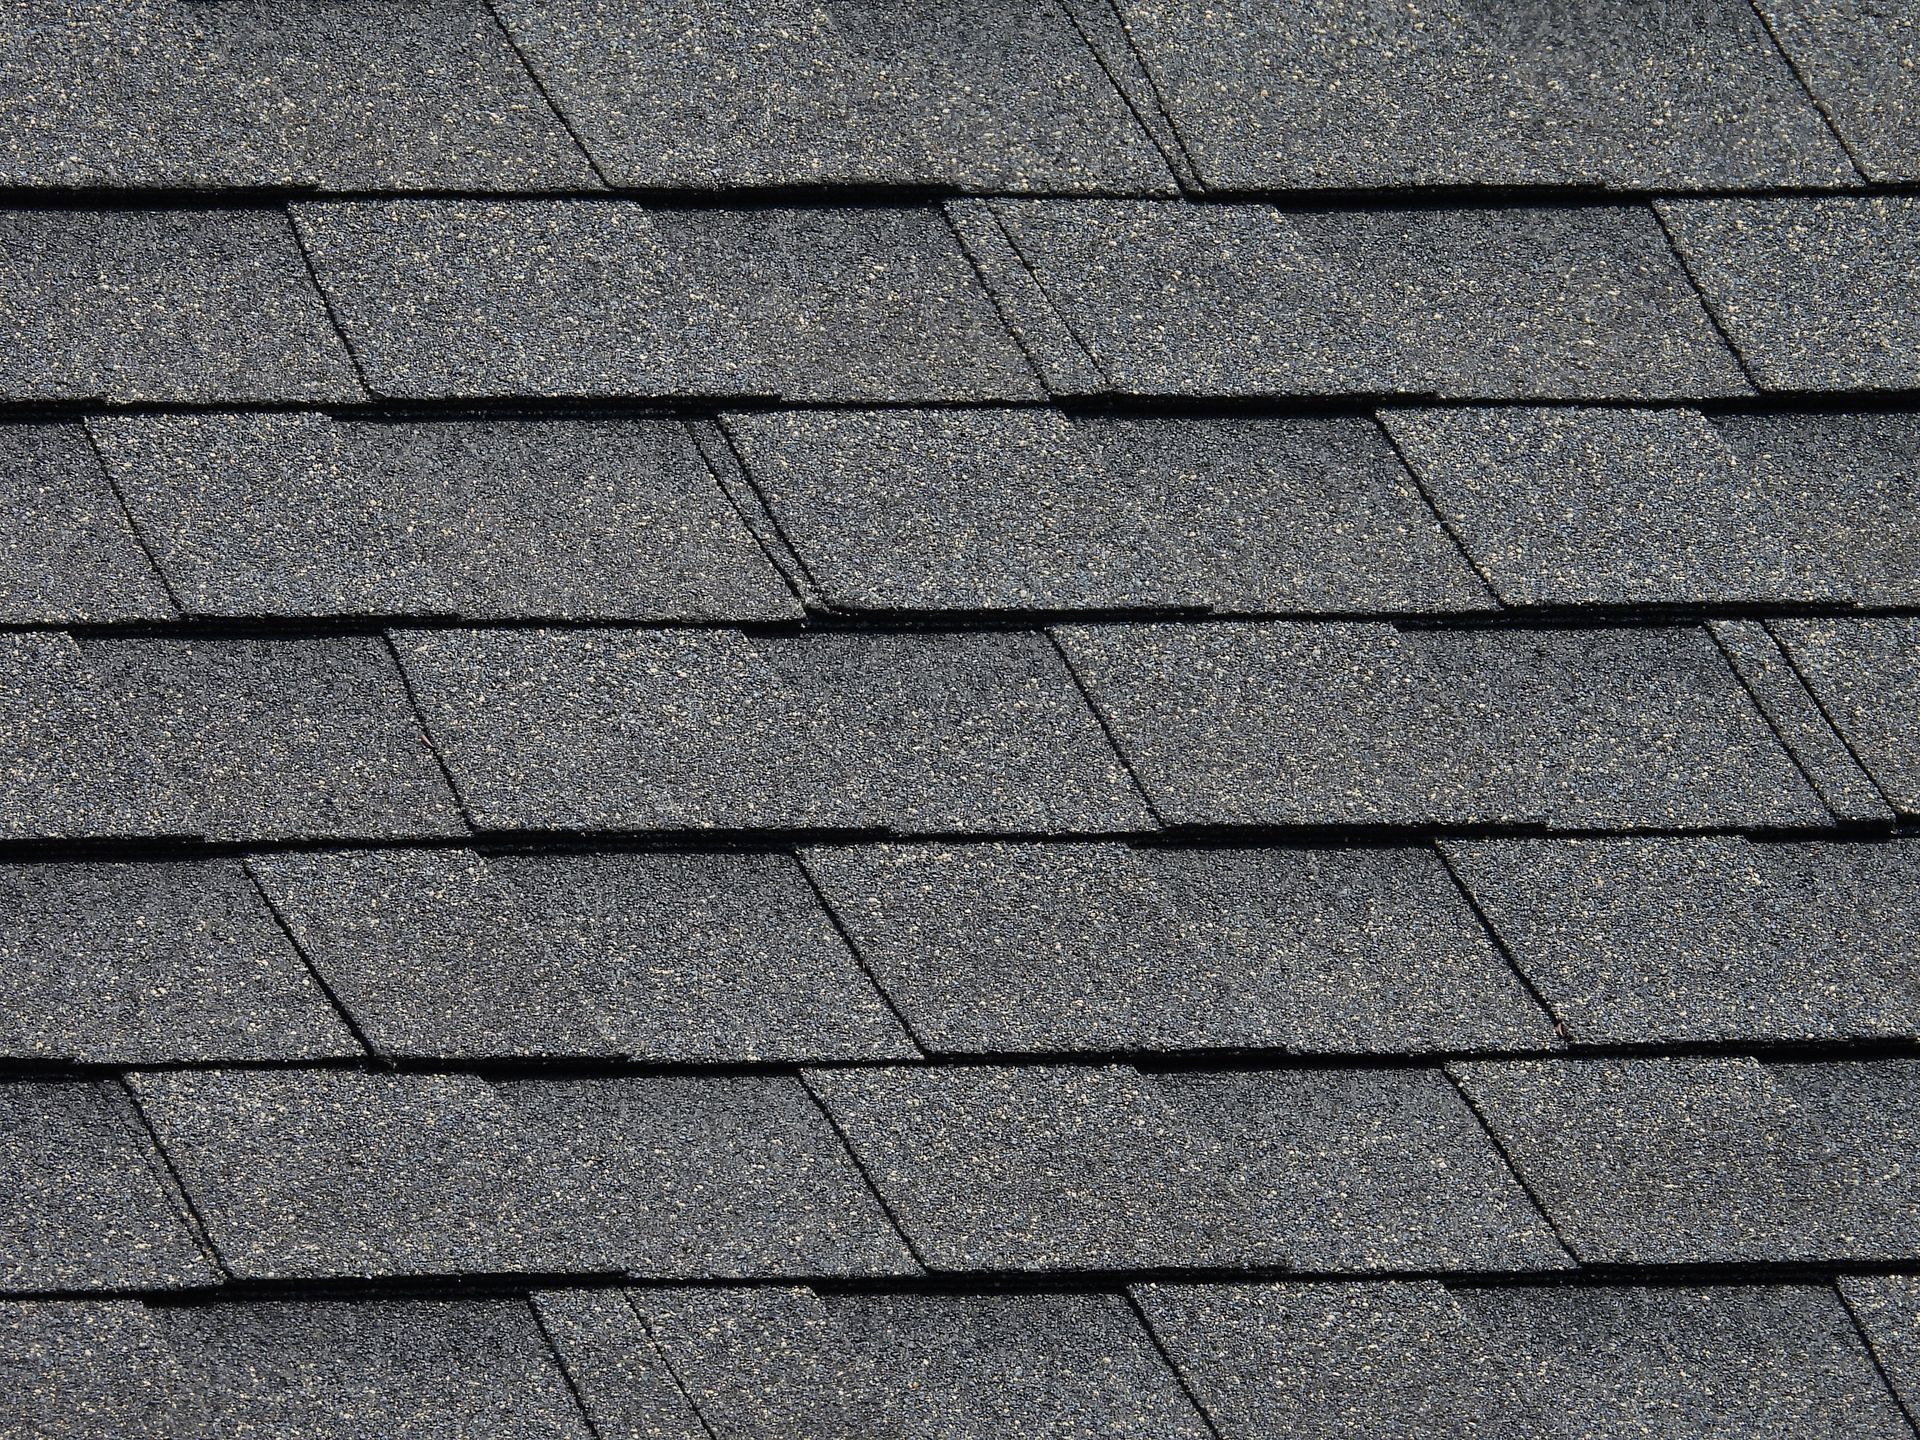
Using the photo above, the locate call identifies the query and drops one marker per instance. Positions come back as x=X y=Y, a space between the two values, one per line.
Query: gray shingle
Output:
x=66 y=550
x=617 y=1373
x=89 y=1370
x=1866 y=675
x=1887 y=1308
x=1396 y=1361
x=1851 y=480
x=270 y=515
x=281 y=739
x=659 y=957
x=981 y=96
x=386 y=96
x=1748 y=1362
x=1816 y=293
x=705 y=1177
x=1365 y=1170
x=1246 y=300
x=1608 y=507
x=954 y=1367
x=1860 y=1124
x=1035 y=509
x=150 y=963
x=1040 y=1168
x=82 y=1206
x=673 y=730
x=375 y=1370
x=444 y=298
x=442 y=1179
x=1362 y=950
x=1321 y=95
x=1361 y=724
x=1709 y=938
x=170 y=306
x=78 y=766
x=1856 y=57
x=850 y=303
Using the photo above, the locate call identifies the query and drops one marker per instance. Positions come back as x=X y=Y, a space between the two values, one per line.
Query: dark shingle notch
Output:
x=266 y=515
x=169 y=306
x=1361 y=724
x=1817 y=294
x=1103 y=948
x=1407 y=1361
x=1711 y=938
x=716 y=95
x=1729 y=1161
x=699 y=730
x=1856 y=57
x=1324 y=96
x=390 y=95
x=1866 y=675
x=658 y=957
x=1468 y=303
x=1010 y=510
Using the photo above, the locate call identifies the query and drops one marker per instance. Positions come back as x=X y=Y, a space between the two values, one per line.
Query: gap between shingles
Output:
x=154 y=1155
x=1701 y=298
x=1873 y=1353
x=427 y=735
x=1039 y=288
x=1498 y=941
x=1183 y=157
x=1413 y=474
x=326 y=303
x=1820 y=106
x=558 y=1357
x=133 y=523
x=540 y=88
x=1145 y=1322
x=1506 y=1158
x=859 y=956
x=866 y=1176
x=1820 y=705
x=374 y=1057
x=750 y=504
x=666 y=1363
x=1106 y=730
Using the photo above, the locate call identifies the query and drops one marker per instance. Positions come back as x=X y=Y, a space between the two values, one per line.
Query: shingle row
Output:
x=571 y=298
x=1401 y=1361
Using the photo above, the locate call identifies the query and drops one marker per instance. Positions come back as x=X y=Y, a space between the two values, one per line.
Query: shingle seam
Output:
x=347 y=1018
x=989 y=250
x=1497 y=941
x=1106 y=729
x=540 y=88
x=1174 y=1368
x=1419 y=483
x=716 y=444
x=866 y=1176
x=153 y=1154
x=133 y=522
x=1820 y=106
x=1855 y=1320
x=426 y=730
x=1058 y=313
x=326 y=301
x=1513 y=1168
x=666 y=1359
x=859 y=956
x=1813 y=692
x=559 y=1363
x=1705 y=302
x=1173 y=150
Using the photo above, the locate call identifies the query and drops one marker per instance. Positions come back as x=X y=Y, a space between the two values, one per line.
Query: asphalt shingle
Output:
x=382 y=96
x=1710 y=938
x=716 y=95
x=82 y=1206
x=281 y=739
x=309 y=1173
x=1361 y=724
x=149 y=963
x=89 y=1369
x=1856 y=56
x=396 y=1369
x=861 y=303
x=1471 y=303
x=302 y=515
x=1816 y=293
x=1357 y=1171
x=1866 y=675
x=167 y=306
x=1319 y=95
x=684 y=730
x=617 y=1373
x=79 y=767
x=1588 y=506
x=1887 y=1308
x=704 y=1177
x=66 y=551
x=1039 y=1168
x=1007 y=510
x=560 y=298
x=1861 y=1127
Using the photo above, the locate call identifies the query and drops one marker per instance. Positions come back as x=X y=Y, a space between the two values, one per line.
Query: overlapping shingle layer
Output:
x=742 y=720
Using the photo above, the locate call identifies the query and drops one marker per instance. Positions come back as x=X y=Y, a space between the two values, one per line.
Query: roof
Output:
x=768 y=720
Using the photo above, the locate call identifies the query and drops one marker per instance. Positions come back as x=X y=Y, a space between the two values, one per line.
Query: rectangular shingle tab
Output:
x=1467 y=303
x=1816 y=293
x=1322 y=95
x=1007 y=510
x=1294 y=723
x=1866 y=675
x=686 y=730
x=67 y=552
x=86 y=1369
x=146 y=963
x=266 y=515
x=82 y=1205
x=281 y=739
x=1366 y=1170
x=1856 y=56
x=383 y=96
x=995 y=97
x=1588 y=506
x=1707 y=938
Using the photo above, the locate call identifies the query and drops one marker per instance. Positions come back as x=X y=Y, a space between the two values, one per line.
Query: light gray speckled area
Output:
x=80 y=1369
